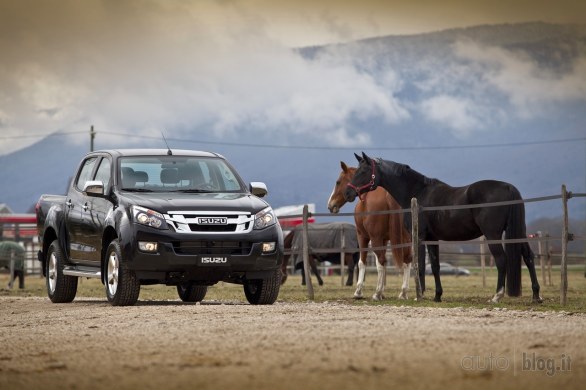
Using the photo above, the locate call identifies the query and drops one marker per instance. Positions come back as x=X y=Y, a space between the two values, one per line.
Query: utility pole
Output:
x=92 y=137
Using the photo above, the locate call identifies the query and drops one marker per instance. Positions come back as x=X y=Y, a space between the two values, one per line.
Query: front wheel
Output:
x=122 y=286
x=60 y=288
x=190 y=292
x=263 y=291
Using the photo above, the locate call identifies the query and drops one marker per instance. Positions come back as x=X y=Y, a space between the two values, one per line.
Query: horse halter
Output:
x=370 y=185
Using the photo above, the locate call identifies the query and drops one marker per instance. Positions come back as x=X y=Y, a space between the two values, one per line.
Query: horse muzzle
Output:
x=334 y=209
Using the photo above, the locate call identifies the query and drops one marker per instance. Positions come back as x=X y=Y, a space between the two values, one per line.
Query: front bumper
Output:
x=201 y=258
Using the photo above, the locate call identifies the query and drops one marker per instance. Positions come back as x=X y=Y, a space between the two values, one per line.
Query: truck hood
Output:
x=164 y=202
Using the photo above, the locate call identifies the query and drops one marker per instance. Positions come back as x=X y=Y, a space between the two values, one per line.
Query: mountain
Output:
x=42 y=168
x=501 y=102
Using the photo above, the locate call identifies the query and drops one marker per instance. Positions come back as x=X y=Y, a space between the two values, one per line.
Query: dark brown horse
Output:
x=378 y=229
x=350 y=258
x=457 y=224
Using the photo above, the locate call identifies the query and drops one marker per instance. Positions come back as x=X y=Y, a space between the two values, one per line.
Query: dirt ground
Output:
x=333 y=345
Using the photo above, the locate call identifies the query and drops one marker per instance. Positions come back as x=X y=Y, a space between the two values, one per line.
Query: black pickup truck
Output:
x=181 y=218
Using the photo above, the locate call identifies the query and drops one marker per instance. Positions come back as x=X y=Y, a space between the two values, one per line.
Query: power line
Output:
x=44 y=135
x=310 y=147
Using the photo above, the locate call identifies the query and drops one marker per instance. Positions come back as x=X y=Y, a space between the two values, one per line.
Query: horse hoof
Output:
x=321 y=282
x=437 y=299
x=377 y=297
x=358 y=296
x=403 y=297
x=537 y=300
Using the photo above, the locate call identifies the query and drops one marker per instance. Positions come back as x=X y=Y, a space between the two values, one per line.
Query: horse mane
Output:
x=405 y=170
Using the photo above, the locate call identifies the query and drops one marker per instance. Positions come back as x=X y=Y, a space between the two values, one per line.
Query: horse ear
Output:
x=344 y=166
x=358 y=157
x=365 y=157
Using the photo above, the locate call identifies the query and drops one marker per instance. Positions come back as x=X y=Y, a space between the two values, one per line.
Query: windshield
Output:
x=178 y=173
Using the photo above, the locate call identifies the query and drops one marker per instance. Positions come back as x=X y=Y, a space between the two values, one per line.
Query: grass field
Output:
x=458 y=291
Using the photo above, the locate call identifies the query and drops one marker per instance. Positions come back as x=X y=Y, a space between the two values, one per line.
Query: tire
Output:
x=60 y=288
x=190 y=292
x=263 y=291
x=122 y=286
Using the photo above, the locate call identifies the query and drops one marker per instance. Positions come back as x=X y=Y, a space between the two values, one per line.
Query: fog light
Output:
x=147 y=246
x=268 y=247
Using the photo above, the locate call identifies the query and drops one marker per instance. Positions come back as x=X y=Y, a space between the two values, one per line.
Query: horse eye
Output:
x=338 y=183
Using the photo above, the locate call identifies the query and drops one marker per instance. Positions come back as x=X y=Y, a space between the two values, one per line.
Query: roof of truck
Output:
x=158 y=152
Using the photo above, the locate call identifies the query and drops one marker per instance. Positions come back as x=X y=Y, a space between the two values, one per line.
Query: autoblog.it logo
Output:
x=529 y=362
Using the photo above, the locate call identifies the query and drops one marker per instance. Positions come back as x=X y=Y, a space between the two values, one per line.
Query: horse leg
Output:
x=528 y=258
x=381 y=271
x=406 y=276
x=349 y=261
x=284 y=265
x=433 y=251
x=363 y=244
x=500 y=259
x=20 y=274
x=313 y=267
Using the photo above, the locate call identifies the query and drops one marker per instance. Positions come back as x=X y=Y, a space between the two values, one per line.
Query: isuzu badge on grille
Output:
x=212 y=221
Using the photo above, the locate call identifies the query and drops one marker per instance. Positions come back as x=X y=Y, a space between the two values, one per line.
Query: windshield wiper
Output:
x=137 y=190
x=194 y=191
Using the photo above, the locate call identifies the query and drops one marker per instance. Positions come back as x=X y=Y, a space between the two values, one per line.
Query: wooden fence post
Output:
x=483 y=260
x=548 y=254
x=565 y=235
x=12 y=269
x=415 y=245
x=306 y=268
x=541 y=257
x=343 y=255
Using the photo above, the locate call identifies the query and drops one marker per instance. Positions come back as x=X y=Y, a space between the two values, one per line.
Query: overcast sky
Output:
x=147 y=65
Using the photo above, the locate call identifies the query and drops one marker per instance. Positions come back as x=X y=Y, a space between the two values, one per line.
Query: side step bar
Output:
x=84 y=272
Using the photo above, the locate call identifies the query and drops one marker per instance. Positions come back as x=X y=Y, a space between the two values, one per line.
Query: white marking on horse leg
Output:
x=381 y=281
x=360 y=283
x=405 y=286
x=497 y=297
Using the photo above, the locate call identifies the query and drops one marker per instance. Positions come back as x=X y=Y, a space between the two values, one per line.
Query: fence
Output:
x=22 y=229
x=415 y=210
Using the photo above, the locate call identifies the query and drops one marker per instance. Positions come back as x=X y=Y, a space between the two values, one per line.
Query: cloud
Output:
x=459 y=115
x=529 y=87
x=206 y=70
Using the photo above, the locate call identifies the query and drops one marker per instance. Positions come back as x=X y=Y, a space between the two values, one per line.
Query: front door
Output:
x=77 y=207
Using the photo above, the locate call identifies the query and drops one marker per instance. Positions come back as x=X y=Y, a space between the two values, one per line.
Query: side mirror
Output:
x=258 y=189
x=93 y=188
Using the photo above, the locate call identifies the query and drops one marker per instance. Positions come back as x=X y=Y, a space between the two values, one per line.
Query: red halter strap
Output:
x=369 y=185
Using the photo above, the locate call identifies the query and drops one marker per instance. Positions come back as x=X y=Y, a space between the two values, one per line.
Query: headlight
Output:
x=148 y=217
x=264 y=218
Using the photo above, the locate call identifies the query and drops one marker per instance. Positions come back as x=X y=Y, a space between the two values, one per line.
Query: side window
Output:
x=85 y=173
x=103 y=174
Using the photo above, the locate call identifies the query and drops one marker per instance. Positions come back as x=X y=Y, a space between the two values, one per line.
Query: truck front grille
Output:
x=210 y=222
x=212 y=247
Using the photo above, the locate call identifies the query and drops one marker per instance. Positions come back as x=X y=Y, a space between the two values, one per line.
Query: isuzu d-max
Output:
x=142 y=216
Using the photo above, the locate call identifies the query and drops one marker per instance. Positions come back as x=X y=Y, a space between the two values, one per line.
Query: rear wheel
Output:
x=122 y=286
x=60 y=288
x=190 y=292
x=263 y=291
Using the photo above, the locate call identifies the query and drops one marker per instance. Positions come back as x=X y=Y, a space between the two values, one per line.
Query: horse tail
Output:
x=515 y=251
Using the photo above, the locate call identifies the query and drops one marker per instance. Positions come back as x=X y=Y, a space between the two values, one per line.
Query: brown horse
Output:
x=378 y=229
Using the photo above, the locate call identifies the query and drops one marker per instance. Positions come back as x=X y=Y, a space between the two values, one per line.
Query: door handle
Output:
x=68 y=203
x=85 y=207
